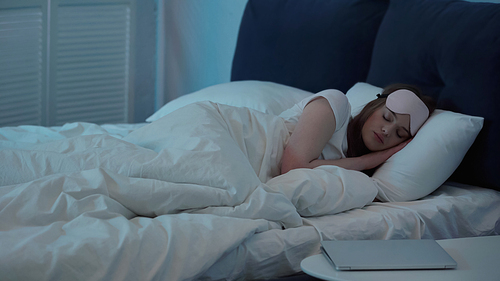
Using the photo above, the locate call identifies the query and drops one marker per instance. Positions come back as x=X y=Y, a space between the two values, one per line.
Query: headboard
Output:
x=448 y=48
x=311 y=45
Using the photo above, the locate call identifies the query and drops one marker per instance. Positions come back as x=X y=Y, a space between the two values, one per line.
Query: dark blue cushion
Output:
x=312 y=45
x=450 y=49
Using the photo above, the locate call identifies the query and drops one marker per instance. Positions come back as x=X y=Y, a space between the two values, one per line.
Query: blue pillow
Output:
x=311 y=45
x=451 y=50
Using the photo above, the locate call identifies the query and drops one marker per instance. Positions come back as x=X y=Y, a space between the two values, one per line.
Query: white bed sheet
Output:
x=453 y=211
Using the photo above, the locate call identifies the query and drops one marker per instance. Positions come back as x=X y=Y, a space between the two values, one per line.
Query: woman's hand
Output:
x=375 y=159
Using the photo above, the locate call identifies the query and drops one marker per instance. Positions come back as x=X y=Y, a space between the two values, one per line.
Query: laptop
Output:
x=387 y=255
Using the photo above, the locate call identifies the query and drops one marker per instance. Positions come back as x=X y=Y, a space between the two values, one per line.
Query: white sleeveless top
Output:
x=336 y=147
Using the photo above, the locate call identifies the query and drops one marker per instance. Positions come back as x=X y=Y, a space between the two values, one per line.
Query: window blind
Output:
x=92 y=64
x=21 y=46
x=65 y=61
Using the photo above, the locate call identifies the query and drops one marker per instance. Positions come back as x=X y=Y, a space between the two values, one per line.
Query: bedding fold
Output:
x=95 y=202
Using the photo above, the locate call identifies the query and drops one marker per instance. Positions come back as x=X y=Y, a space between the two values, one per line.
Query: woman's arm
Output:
x=314 y=129
x=365 y=162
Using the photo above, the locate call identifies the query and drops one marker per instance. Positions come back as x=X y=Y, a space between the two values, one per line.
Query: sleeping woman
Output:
x=208 y=158
x=323 y=133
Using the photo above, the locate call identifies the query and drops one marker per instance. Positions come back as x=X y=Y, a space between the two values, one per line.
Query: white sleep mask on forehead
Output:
x=407 y=102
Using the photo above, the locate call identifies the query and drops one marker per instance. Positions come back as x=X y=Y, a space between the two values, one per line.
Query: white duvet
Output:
x=164 y=202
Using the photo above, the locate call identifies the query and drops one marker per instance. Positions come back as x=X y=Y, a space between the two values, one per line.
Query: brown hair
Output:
x=356 y=146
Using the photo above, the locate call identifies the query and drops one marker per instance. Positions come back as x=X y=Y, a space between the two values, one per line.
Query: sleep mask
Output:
x=407 y=102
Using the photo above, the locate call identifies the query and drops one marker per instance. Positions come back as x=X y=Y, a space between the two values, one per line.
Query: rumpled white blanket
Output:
x=164 y=202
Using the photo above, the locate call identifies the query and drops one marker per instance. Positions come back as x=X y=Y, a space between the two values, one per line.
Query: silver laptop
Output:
x=387 y=255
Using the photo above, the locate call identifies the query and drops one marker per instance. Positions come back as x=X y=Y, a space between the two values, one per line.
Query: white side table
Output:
x=478 y=258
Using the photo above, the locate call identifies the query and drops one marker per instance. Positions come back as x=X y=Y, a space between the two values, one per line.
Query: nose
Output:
x=387 y=129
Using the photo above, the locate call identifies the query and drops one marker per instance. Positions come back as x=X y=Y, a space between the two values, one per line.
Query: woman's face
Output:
x=385 y=129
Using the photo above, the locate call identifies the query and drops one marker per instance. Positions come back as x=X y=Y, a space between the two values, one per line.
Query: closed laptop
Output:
x=387 y=254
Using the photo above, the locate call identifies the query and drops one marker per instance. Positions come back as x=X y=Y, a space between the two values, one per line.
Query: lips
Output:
x=379 y=138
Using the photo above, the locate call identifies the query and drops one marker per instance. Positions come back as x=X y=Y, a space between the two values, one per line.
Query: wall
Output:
x=145 y=60
x=198 y=38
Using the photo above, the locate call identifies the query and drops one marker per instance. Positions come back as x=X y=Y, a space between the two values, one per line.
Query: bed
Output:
x=194 y=192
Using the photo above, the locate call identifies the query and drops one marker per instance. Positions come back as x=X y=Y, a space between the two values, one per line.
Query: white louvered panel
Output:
x=20 y=66
x=92 y=64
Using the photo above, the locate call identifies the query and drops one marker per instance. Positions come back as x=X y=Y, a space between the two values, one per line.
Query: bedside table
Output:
x=478 y=258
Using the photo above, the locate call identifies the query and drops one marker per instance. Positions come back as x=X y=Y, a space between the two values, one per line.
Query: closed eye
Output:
x=405 y=135
x=394 y=116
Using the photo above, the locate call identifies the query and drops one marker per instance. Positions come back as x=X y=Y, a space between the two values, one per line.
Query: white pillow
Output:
x=267 y=97
x=429 y=159
x=360 y=94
